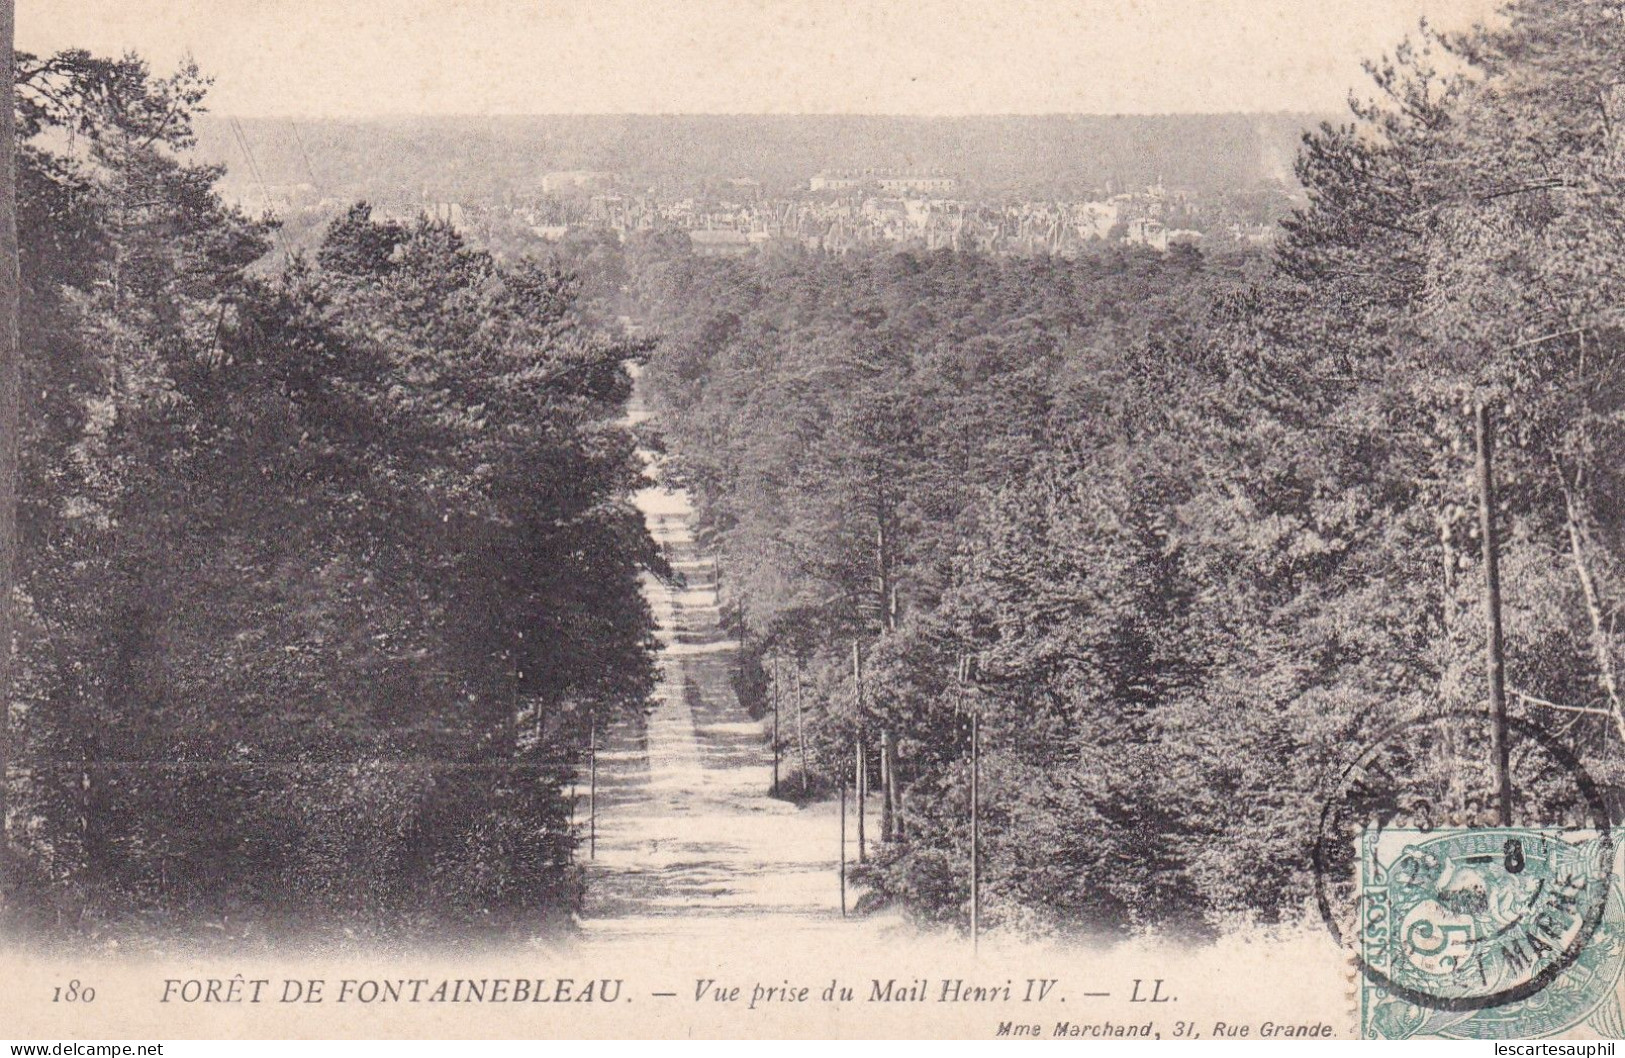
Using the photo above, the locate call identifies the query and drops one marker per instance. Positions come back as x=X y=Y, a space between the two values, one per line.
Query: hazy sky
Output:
x=344 y=58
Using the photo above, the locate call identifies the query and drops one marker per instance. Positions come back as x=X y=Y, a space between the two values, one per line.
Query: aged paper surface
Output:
x=997 y=535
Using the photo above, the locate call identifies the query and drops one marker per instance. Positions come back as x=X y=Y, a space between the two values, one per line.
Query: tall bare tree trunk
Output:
x=891 y=823
x=894 y=793
x=1601 y=647
x=10 y=388
x=1494 y=641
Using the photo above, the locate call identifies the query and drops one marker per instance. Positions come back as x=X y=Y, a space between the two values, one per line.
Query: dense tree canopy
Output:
x=327 y=560
x=324 y=565
x=1203 y=526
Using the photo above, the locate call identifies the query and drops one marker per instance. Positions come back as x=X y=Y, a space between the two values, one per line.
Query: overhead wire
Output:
x=259 y=177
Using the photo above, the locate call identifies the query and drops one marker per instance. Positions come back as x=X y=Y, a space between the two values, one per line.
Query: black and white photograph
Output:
x=802 y=519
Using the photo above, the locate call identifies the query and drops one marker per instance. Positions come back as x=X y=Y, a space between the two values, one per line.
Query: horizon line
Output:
x=891 y=116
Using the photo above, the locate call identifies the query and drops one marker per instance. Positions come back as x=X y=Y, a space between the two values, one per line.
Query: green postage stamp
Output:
x=1489 y=933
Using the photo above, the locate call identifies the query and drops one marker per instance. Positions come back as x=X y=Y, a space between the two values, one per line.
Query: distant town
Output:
x=836 y=212
x=1013 y=185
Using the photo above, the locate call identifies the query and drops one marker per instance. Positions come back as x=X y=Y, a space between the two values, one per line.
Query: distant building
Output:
x=888 y=180
x=1095 y=220
x=1144 y=231
x=885 y=209
x=836 y=181
x=929 y=184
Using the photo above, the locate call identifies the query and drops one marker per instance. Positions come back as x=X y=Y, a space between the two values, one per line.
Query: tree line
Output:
x=325 y=561
x=1199 y=524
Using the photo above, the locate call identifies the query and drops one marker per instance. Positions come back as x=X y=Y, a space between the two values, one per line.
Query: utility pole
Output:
x=975 y=829
x=775 y=725
x=842 y=784
x=967 y=672
x=801 y=734
x=10 y=383
x=1495 y=660
x=860 y=773
x=890 y=824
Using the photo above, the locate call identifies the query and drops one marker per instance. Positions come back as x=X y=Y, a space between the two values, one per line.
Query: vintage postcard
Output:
x=536 y=519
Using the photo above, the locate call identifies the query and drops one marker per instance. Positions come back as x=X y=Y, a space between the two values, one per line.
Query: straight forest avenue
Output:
x=688 y=840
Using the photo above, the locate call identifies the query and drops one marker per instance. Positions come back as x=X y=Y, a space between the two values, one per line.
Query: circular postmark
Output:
x=1519 y=928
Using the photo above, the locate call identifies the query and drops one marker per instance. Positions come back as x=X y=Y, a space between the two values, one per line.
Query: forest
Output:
x=344 y=541
x=325 y=565
x=1182 y=530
